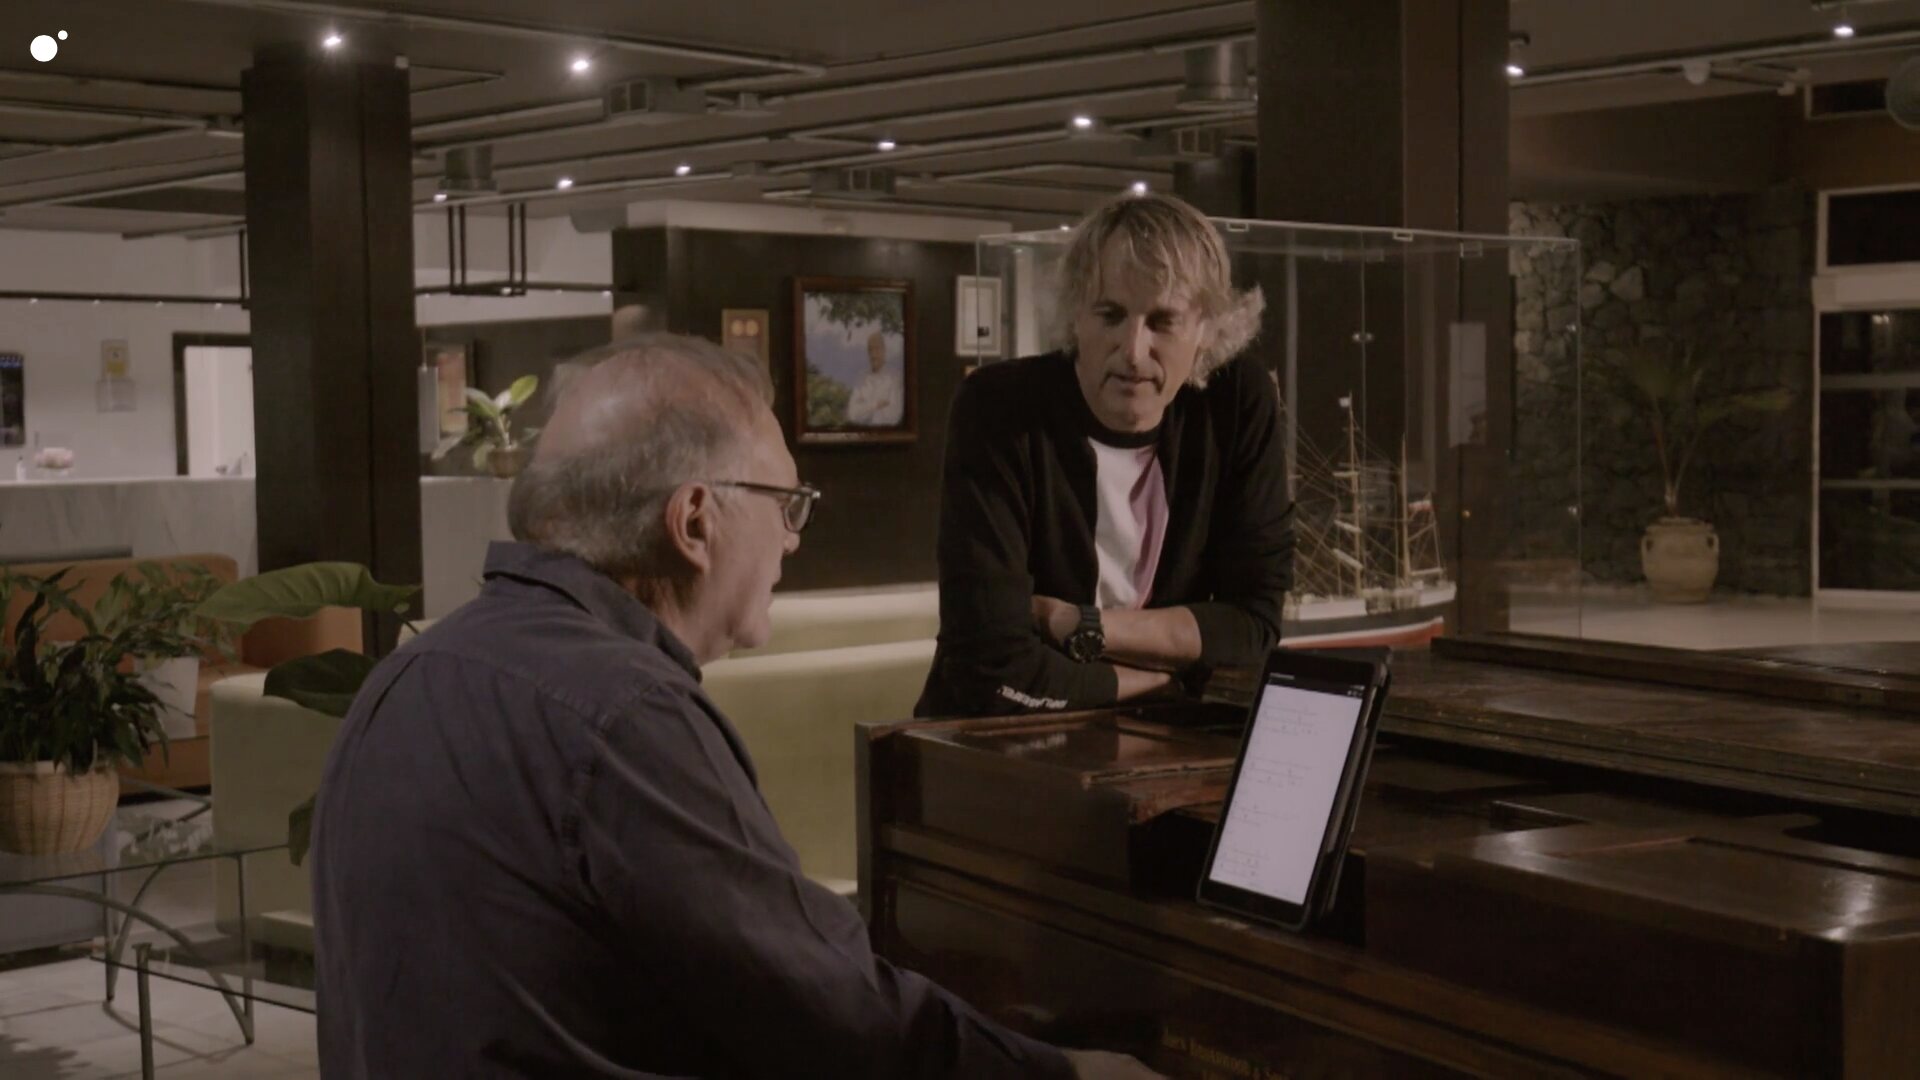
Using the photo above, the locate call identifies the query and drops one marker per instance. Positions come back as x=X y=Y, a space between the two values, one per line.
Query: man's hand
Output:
x=1054 y=620
x=1101 y=1065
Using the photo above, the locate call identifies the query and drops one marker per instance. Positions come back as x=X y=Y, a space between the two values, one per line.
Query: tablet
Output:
x=1283 y=830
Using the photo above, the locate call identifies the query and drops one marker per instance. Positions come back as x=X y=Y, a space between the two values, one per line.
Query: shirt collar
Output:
x=591 y=591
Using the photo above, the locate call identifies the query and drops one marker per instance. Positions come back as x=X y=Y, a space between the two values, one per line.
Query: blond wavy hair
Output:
x=1181 y=252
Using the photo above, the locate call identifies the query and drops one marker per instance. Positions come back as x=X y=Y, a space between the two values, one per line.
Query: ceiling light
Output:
x=682 y=169
x=35 y=300
x=886 y=144
x=333 y=40
x=1843 y=29
x=1139 y=187
x=581 y=64
x=606 y=292
x=1083 y=122
x=563 y=183
x=1066 y=228
x=1515 y=71
x=439 y=196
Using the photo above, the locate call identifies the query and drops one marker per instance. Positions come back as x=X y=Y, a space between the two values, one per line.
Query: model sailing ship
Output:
x=1367 y=567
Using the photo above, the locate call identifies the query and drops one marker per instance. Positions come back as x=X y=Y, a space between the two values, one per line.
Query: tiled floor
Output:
x=56 y=1025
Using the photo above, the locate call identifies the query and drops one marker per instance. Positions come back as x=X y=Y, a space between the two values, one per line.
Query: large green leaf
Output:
x=522 y=389
x=325 y=682
x=480 y=405
x=299 y=591
x=300 y=830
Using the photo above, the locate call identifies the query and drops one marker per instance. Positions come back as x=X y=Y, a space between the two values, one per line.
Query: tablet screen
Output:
x=1273 y=827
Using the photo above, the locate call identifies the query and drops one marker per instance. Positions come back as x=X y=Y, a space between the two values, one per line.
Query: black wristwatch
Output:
x=1087 y=641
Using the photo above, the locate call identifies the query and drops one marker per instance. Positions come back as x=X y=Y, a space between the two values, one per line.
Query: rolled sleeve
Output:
x=992 y=660
x=1250 y=567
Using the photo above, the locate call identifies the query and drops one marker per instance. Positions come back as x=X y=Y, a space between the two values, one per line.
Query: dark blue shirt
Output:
x=539 y=850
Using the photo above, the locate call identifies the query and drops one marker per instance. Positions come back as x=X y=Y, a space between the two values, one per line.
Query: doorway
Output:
x=213 y=405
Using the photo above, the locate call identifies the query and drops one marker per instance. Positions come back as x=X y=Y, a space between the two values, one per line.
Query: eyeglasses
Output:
x=796 y=503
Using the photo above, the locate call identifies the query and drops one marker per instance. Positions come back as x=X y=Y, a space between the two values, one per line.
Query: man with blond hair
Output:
x=1114 y=515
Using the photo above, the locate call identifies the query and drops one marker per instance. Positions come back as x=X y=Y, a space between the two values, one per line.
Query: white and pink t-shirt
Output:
x=1130 y=496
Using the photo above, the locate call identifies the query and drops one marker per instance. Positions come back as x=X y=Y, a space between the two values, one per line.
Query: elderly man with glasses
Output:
x=539 y=849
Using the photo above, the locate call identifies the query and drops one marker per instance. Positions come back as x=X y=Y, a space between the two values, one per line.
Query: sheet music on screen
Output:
x=1271 y=835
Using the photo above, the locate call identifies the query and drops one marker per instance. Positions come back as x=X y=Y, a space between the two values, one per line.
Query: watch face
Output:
x=1086 y=645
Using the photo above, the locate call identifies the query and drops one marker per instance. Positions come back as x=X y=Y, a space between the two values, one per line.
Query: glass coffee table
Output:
x=145 y=846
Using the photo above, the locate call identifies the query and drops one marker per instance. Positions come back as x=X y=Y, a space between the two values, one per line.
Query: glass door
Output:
x=1869 y=451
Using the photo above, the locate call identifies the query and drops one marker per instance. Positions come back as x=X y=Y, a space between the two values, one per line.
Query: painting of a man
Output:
x=880 y=398
x=854 y=378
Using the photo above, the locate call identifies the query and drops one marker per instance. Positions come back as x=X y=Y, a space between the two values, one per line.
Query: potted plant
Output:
x=490 y=429
x=1682 y=395
x=168 y=596
x=70 y=711
x=325 y=682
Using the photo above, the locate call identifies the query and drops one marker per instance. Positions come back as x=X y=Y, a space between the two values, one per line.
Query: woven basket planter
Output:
x=46 y=810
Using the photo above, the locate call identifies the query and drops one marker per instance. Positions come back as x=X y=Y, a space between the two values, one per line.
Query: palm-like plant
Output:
x=1678 y=391
x=490 y=422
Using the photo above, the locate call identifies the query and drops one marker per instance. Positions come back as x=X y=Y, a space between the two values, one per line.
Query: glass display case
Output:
x=1430 y=391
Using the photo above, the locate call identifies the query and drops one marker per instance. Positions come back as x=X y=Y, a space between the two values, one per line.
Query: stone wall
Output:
x=1731 y=273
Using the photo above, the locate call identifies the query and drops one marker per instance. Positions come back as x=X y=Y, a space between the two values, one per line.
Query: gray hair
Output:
x=648 y=414
x=1181 y=251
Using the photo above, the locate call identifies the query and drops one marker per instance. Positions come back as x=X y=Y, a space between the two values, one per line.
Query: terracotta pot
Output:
x=45 y=810
x=1681 y=557
x=506 y=464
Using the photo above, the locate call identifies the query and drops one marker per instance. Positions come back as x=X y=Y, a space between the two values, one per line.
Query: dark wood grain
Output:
x=1499 y=915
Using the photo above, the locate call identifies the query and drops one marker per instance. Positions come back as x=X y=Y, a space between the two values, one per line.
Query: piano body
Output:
x=1571 y=859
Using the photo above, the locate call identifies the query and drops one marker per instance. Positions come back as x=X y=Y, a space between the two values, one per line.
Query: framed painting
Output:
x=449 y=361
x=853 y=363
x=976 y=316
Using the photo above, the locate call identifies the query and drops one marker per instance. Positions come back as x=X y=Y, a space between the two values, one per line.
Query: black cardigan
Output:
x=1017 y=516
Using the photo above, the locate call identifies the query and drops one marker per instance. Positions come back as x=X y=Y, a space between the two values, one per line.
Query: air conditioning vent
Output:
x=654 y=101
x=1867 y=97
x=852 y=183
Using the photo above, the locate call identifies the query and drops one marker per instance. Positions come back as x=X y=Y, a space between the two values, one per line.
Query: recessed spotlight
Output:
x=1083 y=122
x=1066 y=228
x=886 y=144
x=217 y=306
x=580 y=65
x=1139 y=187
x=563 y=183
x=35 y=300
x=333 y=40
x=1515 y=71
x=682 y=169
x=506 y=290
x=439 y=196
x=1843 y=28
x=606 y=292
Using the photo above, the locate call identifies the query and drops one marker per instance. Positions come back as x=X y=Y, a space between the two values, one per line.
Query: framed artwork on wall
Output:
x=13 y=399
x=976 y=316
x=745 y=330
x=854 y=370
x=449 y=361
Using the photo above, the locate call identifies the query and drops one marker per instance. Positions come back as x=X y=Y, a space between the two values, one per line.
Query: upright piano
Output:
x=1570 y=859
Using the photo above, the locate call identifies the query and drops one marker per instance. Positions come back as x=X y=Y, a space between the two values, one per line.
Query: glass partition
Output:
x=1432 y=418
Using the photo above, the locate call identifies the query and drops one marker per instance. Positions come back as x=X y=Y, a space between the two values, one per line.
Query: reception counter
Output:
x=53 y=520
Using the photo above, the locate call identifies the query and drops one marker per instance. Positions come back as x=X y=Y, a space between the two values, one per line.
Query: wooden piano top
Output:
x=1609 y=876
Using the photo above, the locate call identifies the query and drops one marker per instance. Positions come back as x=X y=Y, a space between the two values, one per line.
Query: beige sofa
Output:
x=833 y=661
